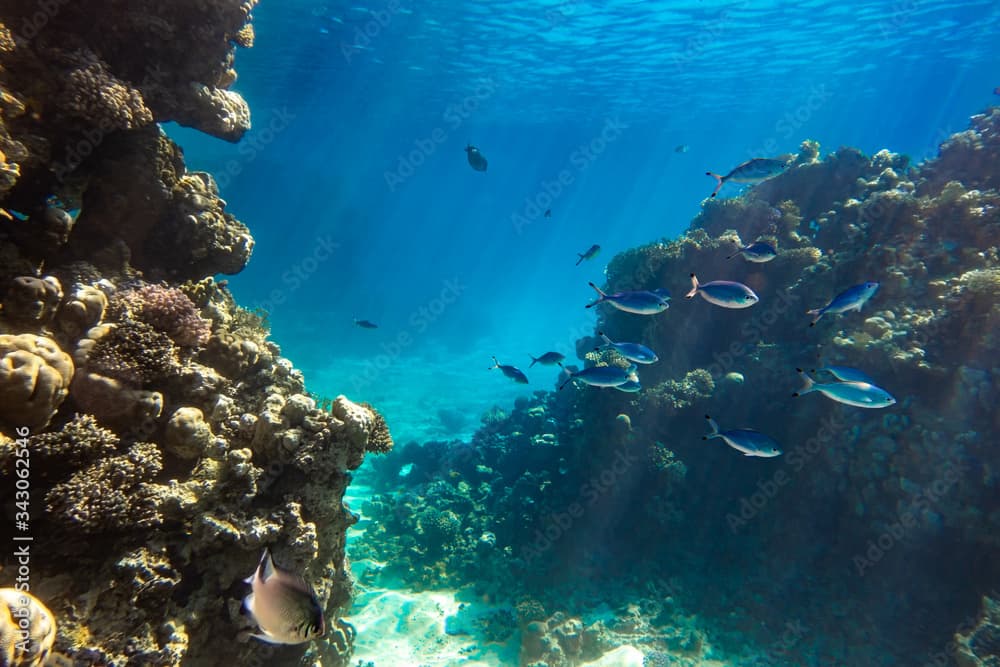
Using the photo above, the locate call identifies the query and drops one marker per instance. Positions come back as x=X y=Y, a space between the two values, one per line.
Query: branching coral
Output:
x=133 y=352
x=167 y=309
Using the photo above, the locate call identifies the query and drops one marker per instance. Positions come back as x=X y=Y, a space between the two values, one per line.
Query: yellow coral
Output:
x=34 y=379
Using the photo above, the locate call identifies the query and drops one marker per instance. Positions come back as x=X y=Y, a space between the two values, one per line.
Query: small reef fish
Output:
x=750 y=442
x=636 y=352
x=476 y=159
x=602 y=376
x=632 y=386
x=283 y=605
x=723 y=293
x=752 y=171
x=850 y=299
x=589 y=254
x=682 y=148
x=638 y=302
x=548 y=213
x=547 y=359
x=509 y=371
x=366 y=324
x=858 y=394
x=757 y=252
x=845 y=374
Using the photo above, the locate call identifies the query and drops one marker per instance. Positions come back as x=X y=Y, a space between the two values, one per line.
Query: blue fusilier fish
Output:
x=639 y=302
x=547 y=359
x=858 y=394
x=636 y=352
x=589 y=254
x=283 y=605
x=632 y=386
x=723 y=293
x=850 y=299
x=366 y=324
x=602 y=376
x=752 y=171
x=750 y=442
x=757 y=252
x=509 y=371
x=476 y=159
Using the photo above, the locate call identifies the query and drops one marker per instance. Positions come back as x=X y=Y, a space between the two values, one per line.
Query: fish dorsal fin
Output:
x=266 y=569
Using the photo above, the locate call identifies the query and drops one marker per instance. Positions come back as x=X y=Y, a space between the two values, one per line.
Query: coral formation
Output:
x=34 y=379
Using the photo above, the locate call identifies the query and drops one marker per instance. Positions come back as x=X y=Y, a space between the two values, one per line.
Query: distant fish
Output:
x=548 y=213
x=476 y=159
x=632 y=386
x=757 y=252
x=752 y=171
x=547 y=359
x=858 y=394
x=723 y=293
x=850 y=299
x=636 y=352
x=996 y=91
x=509 y=371
x=602 y=376
x=682 y=148
x=751 y=443
x=283 y=605
x=639 y=302
x=846 y=374
x=589 y=254
x=365 y=324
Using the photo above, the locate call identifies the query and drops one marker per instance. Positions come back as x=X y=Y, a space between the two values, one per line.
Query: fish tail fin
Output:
x=496 y=364
x=808 y=385
x=601 y=295
x=816 y=314
x=567 y=380
x=694 y=287
x=720 y=179
x=735 y=253
x=579 y=260
x=712 y=425
x=533 y=361
x=606 y=339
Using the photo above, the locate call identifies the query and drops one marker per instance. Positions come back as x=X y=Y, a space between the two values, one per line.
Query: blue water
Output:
x=349 y=98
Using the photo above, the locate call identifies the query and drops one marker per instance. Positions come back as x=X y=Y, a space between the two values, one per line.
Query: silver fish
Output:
x=547 y=359
x=636 y=352
x=639 y=302
x=858 y=394
x=750 y=442
x=757 y=252
x=602 y=376
x=283 y=605
x=515 y=374
x=752 y=171
x=723 y=293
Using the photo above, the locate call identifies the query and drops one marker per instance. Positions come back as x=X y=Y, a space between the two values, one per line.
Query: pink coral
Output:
x=169 y=310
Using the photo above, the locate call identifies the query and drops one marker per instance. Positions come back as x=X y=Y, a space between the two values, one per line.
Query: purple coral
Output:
x=169 y=310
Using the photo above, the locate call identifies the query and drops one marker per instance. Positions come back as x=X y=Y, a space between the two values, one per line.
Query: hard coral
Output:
x=379 y=438
x=134 y=352
x=34 y=379
x=169 y=310
x=110 y=495
x=98 y=97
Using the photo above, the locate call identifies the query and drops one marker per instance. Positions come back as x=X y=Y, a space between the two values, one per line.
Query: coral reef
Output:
x=169 y=441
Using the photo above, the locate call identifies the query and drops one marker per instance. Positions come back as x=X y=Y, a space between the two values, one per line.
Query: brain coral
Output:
x=34 y=379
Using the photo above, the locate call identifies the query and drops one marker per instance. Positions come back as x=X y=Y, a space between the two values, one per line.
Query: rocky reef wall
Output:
x=159 y=439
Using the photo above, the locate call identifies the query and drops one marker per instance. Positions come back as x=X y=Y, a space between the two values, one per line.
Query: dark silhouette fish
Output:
x=476 y=159
x=683 y=148
x=589 y=254
x=548 y=213
x=752 y=171
x=509 y=371
x=547 y=359
x=365 y=324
